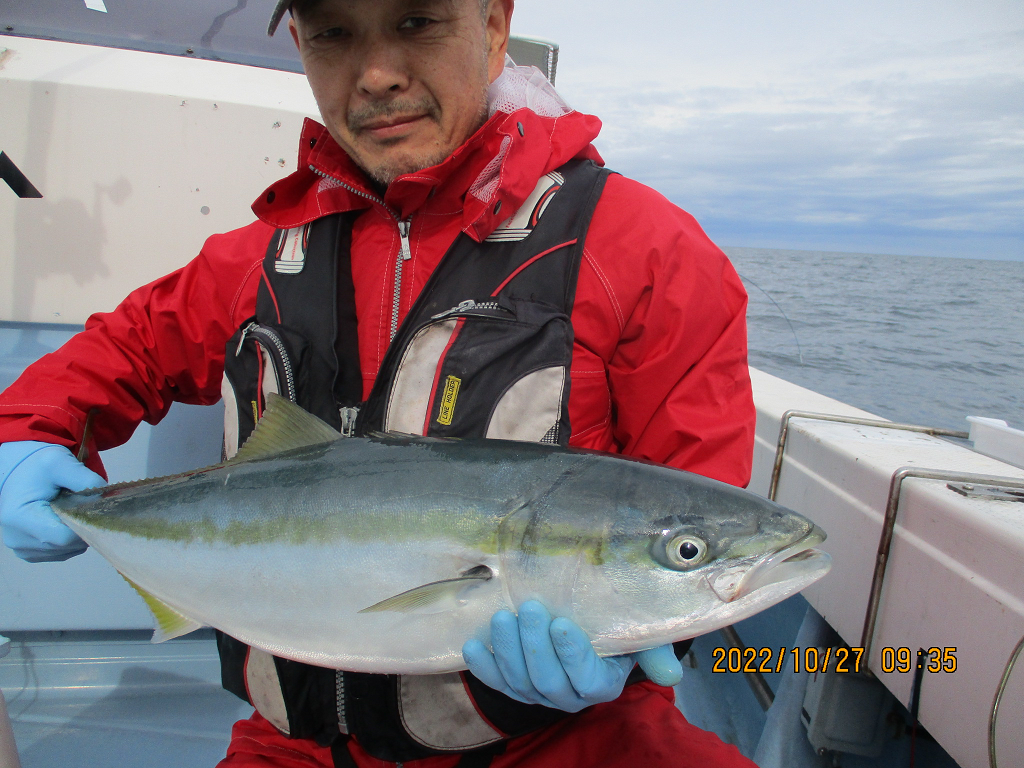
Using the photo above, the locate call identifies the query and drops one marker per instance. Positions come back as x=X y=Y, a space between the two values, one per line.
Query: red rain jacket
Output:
x=659 y=366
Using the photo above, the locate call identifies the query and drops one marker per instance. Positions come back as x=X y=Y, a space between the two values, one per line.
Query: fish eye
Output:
x=687 y=550
x=680 y=551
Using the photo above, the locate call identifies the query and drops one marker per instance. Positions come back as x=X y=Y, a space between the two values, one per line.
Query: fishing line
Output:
x=994 y=714
x=773 y=301
x=83 y=450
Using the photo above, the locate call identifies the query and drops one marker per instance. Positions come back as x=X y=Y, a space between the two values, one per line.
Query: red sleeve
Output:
x=163 y=343
x=678 y=376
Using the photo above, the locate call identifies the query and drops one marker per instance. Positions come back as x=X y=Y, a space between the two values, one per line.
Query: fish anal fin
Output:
x=284 y=427
x=169 y=622
x=435 y=597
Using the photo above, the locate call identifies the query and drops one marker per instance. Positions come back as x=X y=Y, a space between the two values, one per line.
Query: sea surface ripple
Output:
x=918 y=339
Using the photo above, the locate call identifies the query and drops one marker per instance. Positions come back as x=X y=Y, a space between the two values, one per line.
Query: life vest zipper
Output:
x=274 y=345
x=349 y=415
x=472 y=308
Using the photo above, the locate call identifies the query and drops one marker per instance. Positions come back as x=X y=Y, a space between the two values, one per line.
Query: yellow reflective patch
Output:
x=451 y=392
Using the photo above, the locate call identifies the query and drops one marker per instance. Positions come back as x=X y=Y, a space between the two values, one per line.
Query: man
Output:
x=432 y=148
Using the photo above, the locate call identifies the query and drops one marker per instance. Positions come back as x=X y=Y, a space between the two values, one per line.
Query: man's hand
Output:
x=31 y=476
x=540 y=661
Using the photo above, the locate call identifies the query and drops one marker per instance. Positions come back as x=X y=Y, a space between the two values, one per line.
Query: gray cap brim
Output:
x=279 y=11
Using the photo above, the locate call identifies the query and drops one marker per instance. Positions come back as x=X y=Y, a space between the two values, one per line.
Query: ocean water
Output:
x=927 y=340
x=916 y=339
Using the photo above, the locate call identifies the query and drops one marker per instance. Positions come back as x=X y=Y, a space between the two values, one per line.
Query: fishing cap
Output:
x=282 y=6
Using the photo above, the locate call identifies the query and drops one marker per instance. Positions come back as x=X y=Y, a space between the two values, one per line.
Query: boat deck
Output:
x=113 y=698
x=94 y=699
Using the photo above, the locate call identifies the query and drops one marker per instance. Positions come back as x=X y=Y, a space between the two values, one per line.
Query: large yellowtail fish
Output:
x=385 y=554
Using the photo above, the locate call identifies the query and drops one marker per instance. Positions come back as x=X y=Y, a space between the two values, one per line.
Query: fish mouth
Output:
x=798 y=560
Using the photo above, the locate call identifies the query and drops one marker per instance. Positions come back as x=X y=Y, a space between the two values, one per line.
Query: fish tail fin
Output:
x=169 y=622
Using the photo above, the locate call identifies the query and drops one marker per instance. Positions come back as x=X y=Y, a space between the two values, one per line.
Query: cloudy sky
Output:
x=874 y=126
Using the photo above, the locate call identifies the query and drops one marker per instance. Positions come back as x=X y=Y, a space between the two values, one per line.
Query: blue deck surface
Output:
x=92 y=699
x=114 y=699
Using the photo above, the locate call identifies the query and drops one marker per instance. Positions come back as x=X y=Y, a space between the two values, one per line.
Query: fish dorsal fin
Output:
x=169 y=622
x=284 y=427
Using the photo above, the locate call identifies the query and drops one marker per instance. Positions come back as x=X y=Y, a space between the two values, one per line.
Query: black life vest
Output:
x=484 y=352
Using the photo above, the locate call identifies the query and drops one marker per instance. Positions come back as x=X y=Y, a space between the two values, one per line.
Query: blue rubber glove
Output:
x=540 y=661
x=31 y=475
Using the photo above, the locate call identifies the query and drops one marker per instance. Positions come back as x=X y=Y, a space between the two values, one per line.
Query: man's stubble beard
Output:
x=388 y=170
x=385 y=172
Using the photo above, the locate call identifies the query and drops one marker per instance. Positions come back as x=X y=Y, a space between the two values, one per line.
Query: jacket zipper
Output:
x=404 y=252
x=391 y=354
x=273 y=343
x=339 y=691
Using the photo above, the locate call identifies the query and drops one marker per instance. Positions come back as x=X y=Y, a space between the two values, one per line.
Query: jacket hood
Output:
x=530 y=132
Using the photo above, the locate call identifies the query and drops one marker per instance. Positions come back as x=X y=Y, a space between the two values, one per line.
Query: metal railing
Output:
x=758 y=685
x=780 y=448
x=994 y=486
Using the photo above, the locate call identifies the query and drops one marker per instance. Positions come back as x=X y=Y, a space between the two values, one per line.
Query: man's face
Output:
x=401 y=83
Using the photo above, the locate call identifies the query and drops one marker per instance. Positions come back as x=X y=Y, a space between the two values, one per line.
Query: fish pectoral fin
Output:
x=436 y=597
x=169 y=623
x=284 y=427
